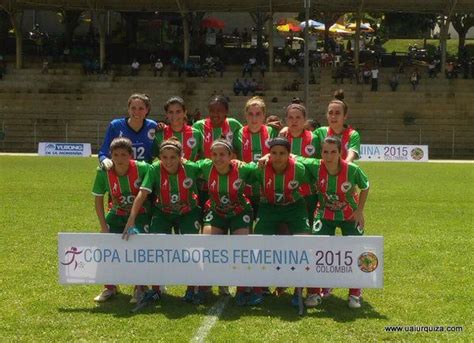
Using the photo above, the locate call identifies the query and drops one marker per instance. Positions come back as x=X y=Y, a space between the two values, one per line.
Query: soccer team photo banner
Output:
x=314 y=261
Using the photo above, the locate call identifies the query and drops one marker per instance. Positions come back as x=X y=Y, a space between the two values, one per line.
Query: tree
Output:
x=462 y=23
x=408 y=25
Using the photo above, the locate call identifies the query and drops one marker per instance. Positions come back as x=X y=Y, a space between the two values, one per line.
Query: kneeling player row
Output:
x=276 y=189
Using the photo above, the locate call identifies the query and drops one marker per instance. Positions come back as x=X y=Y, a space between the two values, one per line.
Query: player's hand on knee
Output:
x=106 y=164
x=262 y=162
x=358 y=217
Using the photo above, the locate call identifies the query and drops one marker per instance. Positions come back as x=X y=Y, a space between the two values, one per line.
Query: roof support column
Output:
x=444 y=27
x=16 y=18
x=307 y=6
x=271 y=58
x=186 y=38
x=357 y=38
x=102 y=24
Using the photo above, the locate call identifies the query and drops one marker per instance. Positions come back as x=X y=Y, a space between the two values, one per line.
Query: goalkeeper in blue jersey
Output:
x=137 y=128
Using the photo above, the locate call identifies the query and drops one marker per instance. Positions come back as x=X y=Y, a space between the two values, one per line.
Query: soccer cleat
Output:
x=105 y=295
x=240 y=298
x=200 y=297
x=224 y=290
x=295 y=300
x=189 y=295
x=354 y=301
x=266 y=291
x=138 y=293
x=326 y=292
x=312 y=300
x=255 y=299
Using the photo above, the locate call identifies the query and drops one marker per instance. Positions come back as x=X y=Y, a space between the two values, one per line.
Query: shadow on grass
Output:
x=332 y=307
x=173 y=307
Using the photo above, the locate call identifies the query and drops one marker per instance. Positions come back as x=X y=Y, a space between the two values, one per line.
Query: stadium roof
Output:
x=421 y=6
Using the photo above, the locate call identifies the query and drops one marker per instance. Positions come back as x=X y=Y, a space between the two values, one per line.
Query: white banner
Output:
x=317 y=261
x=64 y=149
x=394 y=153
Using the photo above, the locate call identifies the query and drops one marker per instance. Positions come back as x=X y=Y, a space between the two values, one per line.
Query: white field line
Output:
x=210 y=320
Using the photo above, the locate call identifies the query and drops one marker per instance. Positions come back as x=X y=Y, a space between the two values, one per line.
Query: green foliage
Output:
x=408 y=25
x=424 y=211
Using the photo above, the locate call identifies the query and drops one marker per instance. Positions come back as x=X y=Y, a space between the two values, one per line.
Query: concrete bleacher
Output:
x=65 y=105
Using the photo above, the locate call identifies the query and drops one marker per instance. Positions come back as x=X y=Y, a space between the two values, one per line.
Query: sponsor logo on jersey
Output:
x=191 y=142
x=229 y=136
x=121 y=133
x=187 y=183
x=137 y=183
x=346 y=186
x=237 y=184
x=346 y=146
x=213 y=185
x=197 y=225
x=246 y=218
x=267 y=143
x=293 y=184
x=309 y=149
x=368 y=262
x=151 y=134
x=114 y=189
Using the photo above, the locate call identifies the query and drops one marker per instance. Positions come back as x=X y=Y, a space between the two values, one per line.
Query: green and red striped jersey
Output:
x=338 y=196
x=250 y=147
x=350 y=139
x=282 y=189
x=191 y=140
x=229 y=129
x=226 y=195
x=122 y=189
x=175 y=193
x=306 y=145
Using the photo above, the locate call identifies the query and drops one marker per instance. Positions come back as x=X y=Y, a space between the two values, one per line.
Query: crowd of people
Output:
x=288 y=181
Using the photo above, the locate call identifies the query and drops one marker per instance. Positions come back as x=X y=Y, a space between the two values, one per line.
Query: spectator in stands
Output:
x=66 y=54
x=277 y=59
x=292 y=62
x=367 y=74
x=394 y=81
x=245 y=87
x=375 y=78
x=219 y=66
x=338 y=73
x=158 y=67
x=237 y=87
x=296 y=100
x=3 y=67
x=152 y=59
x=252 y=61
x=415 y=78
x=295 y=85
x=262 y=68
x=252 y=86
x=245 y=36
x=95 y=66
x=45 y=67
x=135 y=67
x=451 y=71
x=432 y=69
x=247 y=69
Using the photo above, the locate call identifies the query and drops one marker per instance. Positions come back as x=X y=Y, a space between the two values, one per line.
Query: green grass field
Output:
x=424 y=211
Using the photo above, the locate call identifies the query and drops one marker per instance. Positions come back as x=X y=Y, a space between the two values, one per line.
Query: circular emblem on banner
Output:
x=368 y=262
x=187 y=183
x=417 y=154
x=346 y=186
x=237 y=183
x=309 y=149
x=50 y=148
x=293 y=184
x=151 y=134
x=191 y=142
x=246 y=218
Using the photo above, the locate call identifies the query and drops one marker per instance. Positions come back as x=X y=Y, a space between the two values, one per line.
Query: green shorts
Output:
x=239 y=221
x=294 y=215
x=117 y=223
x=188 y=223
x=328 y=227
